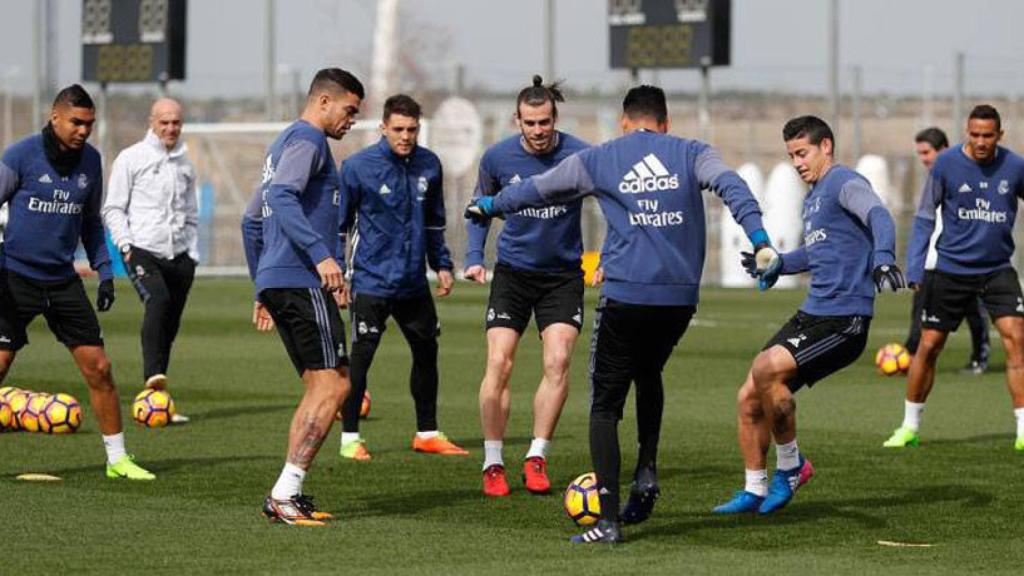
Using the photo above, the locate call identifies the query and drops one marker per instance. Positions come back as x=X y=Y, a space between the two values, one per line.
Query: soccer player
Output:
x=648 y=185
x=53 y=184
x=538 y=272
x=976 y=186
x=152 y=214
x=849 y=250
x=928 y=143
x=392 y=203
x=292 y=248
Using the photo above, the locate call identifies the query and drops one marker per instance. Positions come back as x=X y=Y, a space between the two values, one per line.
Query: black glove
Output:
x=888 y=275
x=480 y=210
x=768 y=278
x=105 y=295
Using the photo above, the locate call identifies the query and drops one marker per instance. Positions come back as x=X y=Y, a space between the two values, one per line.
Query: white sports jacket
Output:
x=151 y=199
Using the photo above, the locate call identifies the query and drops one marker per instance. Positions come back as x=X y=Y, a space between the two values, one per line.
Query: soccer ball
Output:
x=364 y=408
x=582 y=503
x=61 y=415
x=28 y=417
x=7 y=391
x=16 y=402
x=7 y=422
x=153 y=408
x=892 y=359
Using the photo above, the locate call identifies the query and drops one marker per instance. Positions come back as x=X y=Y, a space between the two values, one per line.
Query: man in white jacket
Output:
x=152 y=214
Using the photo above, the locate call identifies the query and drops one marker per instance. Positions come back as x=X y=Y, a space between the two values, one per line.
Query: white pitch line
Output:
x=904 y=544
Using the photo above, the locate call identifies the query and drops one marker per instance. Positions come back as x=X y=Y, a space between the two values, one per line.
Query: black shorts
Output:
x=821 y=345
x=949 y=297
x=416 y=317
x=63 y=303
x=310 y=327
x=631 y=342
x=552 y=297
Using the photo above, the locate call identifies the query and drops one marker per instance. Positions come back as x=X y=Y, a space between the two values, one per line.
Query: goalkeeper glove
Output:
x=888 y=275
x=480 y=210
x=105 y=295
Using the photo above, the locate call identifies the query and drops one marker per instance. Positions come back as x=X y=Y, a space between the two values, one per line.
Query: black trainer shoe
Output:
x=643 y=492
x=606 y=532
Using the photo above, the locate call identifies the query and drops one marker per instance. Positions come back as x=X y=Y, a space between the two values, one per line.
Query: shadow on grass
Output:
x=221 y=413
x=391 y=504
x=857 y=510
x=979 y=439
x=163 y=465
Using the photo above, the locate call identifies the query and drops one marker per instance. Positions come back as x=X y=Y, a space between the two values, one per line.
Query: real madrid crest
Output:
x=83 y=182
x=1004 y=186
x=421 y=184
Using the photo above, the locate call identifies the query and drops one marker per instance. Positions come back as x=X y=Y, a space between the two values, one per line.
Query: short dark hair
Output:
x=74 y=96
x=933 y=136
x=537 y=94
x=985 y=112
x=334 y=80
x=646 y=101
x=402 y=105
x=811 y=127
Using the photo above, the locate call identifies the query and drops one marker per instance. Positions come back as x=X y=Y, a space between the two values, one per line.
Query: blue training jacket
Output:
x=49 y=213
x=544 y=239
x=293 y=225
x=847 y=233
x=393 y=209
x=978 y=208
x=649 y=187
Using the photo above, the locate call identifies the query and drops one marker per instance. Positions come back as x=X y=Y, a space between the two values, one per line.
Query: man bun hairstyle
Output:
x=811 y=127
x=933 y=136
x=986 y=112
x=403 y=105
x=537 y=94
x=336 y=80
x=74 y=96
x=645 y=101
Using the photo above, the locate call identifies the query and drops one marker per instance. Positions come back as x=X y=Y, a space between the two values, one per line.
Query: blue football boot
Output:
x=784 y=484
x=742 y=502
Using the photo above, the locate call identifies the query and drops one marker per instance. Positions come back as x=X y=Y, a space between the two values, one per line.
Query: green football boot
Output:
x=902 y=438
x=126 y=467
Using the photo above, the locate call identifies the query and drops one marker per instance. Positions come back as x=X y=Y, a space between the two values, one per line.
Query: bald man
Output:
x=152 y=214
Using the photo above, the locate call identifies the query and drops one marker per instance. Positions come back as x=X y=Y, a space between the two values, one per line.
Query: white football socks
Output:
x=427 y=434
x=912 y=414
x=492 y=453
x=538 y=448
x=347 y=437
x=289 y=483
x=757 y=482
x=114 y=444
x=787 y=455
x=1019 y=413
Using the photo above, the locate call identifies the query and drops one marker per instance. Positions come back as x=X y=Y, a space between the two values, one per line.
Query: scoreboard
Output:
x=133 y=40
x=669 y=33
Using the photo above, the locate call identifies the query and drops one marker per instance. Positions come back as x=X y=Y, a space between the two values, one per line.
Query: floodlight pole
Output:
x=833 y=63
x=703 y=98
x=549 y=42
x=270 y=64
x=857 y=89
x=37 y=62
x=958 y=94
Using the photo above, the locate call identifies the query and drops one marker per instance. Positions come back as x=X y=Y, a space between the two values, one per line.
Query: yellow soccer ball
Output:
x=892 y=359
x=62 y=414
x=153 y=408
x=7 y=422
x=29 y=416
x=581 y=500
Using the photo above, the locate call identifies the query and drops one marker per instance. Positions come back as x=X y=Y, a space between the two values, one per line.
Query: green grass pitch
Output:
x=411 y=513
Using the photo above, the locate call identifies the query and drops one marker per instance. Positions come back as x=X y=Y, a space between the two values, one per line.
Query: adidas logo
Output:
x=384 y=189
x=648 y=175
x=965 y=187
x=45 y=179
x=795 y=342
x=515 y=179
